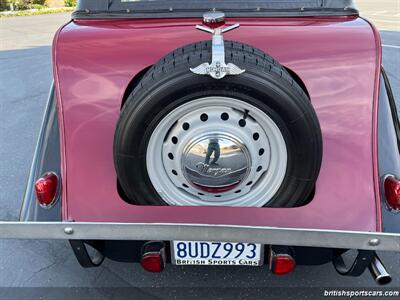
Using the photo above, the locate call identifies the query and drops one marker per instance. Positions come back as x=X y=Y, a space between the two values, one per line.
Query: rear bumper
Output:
x=205 y=232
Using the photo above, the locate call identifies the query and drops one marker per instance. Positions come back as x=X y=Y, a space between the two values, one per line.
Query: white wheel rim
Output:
x=257 y=183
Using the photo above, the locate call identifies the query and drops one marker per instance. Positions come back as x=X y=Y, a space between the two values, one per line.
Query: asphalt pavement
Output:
x=25 y=77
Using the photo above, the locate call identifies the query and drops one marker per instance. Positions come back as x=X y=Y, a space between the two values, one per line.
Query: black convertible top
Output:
x=195 y=8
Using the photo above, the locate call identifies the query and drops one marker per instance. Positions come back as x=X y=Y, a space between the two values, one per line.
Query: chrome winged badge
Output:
x=217 y=68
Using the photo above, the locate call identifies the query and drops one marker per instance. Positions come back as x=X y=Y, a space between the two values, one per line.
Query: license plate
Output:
x=216 y=253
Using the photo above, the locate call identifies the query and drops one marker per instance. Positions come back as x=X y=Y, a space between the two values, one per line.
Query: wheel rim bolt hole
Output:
x=224 y=116
x=259 y=168
x=174 y=140
x=175 y=172
x=261 y=151
x=256 y=136
x=242 y=122
x=185 y=185
x=204 y=117
x=170 y=156
x=185 y=126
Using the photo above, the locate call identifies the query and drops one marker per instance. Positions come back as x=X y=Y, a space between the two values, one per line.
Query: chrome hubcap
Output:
x=216 y=151
x=216 y=163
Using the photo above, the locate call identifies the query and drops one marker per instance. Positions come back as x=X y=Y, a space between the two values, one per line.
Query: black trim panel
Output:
x=388 y=149
x=106 y=9
x=46 y=158
x=393 y=108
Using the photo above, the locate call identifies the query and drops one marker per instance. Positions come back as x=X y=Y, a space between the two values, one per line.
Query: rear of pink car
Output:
x=157 y=148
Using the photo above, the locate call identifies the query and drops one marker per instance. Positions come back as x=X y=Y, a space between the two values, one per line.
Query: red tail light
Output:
x=281 y=264
x=152 y=262
x=46 y=189
x=392 y=192
x=153 y=256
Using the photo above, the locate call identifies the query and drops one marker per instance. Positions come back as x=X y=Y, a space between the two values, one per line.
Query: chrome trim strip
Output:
x=191 y=232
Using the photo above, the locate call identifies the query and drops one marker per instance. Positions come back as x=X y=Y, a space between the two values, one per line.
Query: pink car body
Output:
x=337 y=58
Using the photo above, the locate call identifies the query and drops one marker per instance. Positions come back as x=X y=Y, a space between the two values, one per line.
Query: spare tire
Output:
x=247 y=140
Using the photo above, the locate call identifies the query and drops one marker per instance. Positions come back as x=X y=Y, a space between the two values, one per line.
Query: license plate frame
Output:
x=214 y=260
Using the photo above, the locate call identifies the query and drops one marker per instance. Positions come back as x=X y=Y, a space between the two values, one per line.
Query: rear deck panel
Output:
x=337 y=58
